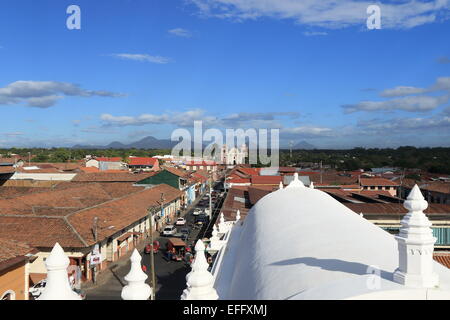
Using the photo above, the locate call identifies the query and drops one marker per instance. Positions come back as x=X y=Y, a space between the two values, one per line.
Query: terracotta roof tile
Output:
x=109 y=159
x=275 y=180
x=111 y=176
x=11 y=249
x=120 y=213
x=39 y=231
x=142 y=161
x=443 y=258
x=395 y=208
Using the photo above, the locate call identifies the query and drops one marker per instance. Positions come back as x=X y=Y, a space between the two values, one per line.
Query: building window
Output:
x=372 y=188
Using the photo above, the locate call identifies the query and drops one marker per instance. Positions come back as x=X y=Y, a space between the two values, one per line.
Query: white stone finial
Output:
x=58 y=286
x=199 y=281
x=238 y=216
x=281 y=185
x=311 y=185
x=222 y=225
x=136 y=289
x=416 y=245
x=296 y=183
x=199 y=246
x=214 y=232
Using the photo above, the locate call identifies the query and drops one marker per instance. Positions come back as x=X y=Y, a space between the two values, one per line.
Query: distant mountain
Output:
x=303 y=145
x=145 y=143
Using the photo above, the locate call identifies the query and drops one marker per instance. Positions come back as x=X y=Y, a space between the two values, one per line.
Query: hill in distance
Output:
x=145 y=143
x=304 y=146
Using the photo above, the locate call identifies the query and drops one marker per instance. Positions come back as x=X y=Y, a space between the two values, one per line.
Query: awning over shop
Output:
x=124 y=236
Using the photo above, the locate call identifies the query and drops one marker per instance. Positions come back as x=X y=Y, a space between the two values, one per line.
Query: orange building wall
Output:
x=13 y=279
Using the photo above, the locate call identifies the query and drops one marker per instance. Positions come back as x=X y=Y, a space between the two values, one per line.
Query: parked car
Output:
x=154 y=247
x=180 y=222
x=38 y=288
x=81 y=293
x=201 y=219
x=185 y=233
x=169 y=231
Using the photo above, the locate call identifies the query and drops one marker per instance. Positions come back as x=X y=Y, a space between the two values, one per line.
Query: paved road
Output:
x=170 y=276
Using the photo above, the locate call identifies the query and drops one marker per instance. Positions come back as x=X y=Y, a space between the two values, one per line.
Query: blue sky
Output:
x=145 y=67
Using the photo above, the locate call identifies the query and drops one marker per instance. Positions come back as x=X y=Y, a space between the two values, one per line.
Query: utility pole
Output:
x=161 y=202
x=321 y=171
x=94 y=228
x=210 y=202
x=290 y=147
x=151 y=212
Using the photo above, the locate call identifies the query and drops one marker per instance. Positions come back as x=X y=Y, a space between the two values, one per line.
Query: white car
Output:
x=38 y=288
x=180 y=222
x=196 y=212
x=169 y=231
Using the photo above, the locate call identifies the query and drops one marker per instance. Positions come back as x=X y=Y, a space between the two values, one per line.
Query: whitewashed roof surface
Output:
x=300 y=243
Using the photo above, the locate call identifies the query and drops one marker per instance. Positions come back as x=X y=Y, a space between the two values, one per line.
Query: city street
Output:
x=170 y=275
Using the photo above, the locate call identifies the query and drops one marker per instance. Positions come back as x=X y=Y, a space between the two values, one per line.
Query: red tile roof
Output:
x=275 y=180
x=109 y=159
x=72 y=227
x=436 y=186
x=108 y=176
x=176 y=171
x=201 y=163
x=395 y=208
x=12 y=252
x=7 y=169
x=120 y=213
x=142 y=161
x=443 y=258
x=249 y=171
x=89 y=169
x=238 y=180
x=39 y=231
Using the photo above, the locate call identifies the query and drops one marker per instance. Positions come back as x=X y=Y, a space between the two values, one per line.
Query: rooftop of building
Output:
x=66 y=214
x=13 y=252
x=317 y=249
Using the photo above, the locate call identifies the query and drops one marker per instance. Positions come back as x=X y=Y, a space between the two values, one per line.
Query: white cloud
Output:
x=44 y=94
x=314 y=33
x=142 y=57
x=396 y=125
x=187 y=118
x=327 y=13
x=410 y=103
x=408 y=98
x=306 y=131
x=13 y=134
x=441 y=84
x=401 y=91
x=180 y=32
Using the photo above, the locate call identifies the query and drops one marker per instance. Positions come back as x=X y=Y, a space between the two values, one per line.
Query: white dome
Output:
x=299 y=243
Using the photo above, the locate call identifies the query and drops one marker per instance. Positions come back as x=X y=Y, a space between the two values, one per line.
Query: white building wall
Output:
x=43 y=176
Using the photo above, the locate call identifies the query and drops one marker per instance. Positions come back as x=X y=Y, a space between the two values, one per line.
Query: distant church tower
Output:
x=233 y=156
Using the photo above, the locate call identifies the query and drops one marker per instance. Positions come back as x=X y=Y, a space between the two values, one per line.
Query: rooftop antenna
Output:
x=321 y=172
x=291 y=143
